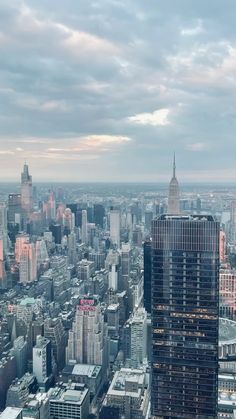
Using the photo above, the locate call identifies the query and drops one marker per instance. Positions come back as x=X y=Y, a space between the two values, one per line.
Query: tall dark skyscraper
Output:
x=147 y=253
x=185 y=281
x=99 y=214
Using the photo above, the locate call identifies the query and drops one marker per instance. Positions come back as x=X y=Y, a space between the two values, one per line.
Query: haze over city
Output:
x=108 y=90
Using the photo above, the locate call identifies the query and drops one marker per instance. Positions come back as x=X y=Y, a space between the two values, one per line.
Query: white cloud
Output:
x=195 y=30
x=89 y=143
x=197 y=147
x=6 y=153
x=158 y=117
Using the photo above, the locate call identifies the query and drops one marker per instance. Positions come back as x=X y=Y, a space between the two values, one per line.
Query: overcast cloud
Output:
x=108 y=89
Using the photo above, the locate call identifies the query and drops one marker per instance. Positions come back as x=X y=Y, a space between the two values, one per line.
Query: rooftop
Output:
x=126 y=375
x=227 y=331
x=11 y=413
x=202 y=217
x=74 y=394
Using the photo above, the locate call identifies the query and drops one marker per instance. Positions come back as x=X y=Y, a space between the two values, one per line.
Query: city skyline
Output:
x=109 y=90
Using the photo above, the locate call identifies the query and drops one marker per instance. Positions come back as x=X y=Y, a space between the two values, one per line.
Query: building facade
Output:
x=185 y=292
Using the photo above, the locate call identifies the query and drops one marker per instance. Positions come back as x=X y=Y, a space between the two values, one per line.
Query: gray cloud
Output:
x=162 y=76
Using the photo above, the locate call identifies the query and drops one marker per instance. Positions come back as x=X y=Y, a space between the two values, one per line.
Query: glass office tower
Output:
x=185 y=282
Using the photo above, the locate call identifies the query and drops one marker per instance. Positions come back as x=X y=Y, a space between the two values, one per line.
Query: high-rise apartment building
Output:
x=185 y=293
x=87 y=338
x=26 y=190
x=173 y=197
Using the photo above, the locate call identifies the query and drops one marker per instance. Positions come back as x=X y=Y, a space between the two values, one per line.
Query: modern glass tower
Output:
x=185 y=282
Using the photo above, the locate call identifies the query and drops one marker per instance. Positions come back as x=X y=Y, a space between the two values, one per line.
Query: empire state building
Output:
x=173 y=198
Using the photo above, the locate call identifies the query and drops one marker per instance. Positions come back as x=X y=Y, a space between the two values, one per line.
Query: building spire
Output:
x=174 y=167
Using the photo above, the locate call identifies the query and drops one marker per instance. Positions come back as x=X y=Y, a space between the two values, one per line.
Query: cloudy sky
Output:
x=108 y=89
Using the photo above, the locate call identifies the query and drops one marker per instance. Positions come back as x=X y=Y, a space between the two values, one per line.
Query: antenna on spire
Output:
x=174 y=166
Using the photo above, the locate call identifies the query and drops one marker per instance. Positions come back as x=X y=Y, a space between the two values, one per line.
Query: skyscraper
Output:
x=147 y=275
x=26 y=190
x=233 y=222
x=3 y=226
x=28 y=264
x=14 y=208
x=87 y=338
x=84 y=228
x=185 y=293
x=99 y=214
x=115 y=227
x=173 y=198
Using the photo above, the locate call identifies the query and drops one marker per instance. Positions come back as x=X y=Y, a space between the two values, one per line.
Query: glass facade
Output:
x=147 y=252
x=185 y=294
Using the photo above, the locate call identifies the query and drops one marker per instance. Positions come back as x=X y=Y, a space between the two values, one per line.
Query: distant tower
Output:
x=173 y=198
x=26 y=190
x=115 y=227
x=84 y=229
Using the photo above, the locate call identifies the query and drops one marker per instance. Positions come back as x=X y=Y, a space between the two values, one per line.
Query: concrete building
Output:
x=19 y=390
x=7 y=375
x=20 y=350
x=85 y=269
x=42 y=360
x=129 y=393
x=71 y=402
x=55 y=332
x=90 y=375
